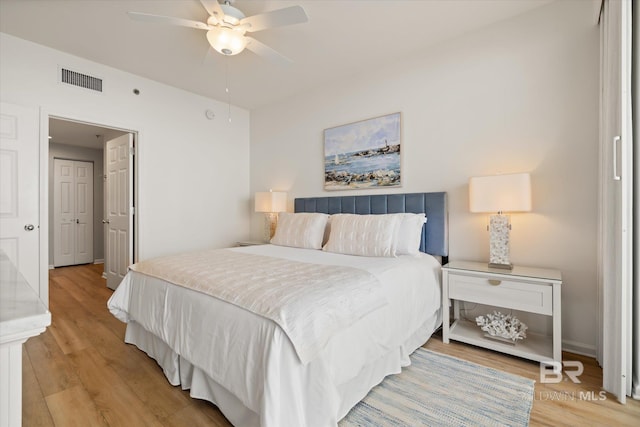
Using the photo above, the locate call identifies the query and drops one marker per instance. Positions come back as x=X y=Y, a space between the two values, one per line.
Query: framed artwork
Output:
x=364 y=154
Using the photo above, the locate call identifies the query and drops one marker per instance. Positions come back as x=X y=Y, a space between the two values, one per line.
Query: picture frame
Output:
x=363 y=154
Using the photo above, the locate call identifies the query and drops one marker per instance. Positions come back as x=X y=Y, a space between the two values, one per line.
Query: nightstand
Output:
x=250 y=243
x=532 y=290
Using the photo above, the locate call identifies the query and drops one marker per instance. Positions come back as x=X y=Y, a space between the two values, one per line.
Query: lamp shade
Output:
x=500 y=193
x=226 y=41
x=271 y=201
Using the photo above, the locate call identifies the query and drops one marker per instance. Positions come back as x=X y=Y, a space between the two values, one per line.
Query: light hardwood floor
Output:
x=80 y=373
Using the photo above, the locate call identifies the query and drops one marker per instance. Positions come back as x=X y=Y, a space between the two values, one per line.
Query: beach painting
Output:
x=363 y=154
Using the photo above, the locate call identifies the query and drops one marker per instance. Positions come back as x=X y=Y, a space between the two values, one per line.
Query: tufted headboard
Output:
x=435 y=233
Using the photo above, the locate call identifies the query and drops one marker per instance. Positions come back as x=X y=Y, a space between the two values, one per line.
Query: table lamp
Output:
x=270 y=203
x=498 y=194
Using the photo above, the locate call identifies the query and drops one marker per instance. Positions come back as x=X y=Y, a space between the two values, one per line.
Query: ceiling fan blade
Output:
x=265 y=51
x=213 y=9
x=276 y=18
x=159 y=19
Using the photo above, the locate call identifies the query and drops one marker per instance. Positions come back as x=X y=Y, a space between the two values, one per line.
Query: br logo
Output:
x=551 y=371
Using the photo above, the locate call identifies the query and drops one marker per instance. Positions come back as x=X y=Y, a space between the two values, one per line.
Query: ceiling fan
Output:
x=226 y=27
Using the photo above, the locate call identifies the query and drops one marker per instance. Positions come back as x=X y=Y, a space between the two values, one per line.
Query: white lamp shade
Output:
x=500 y=193
x=226 y=41
x=271 y=201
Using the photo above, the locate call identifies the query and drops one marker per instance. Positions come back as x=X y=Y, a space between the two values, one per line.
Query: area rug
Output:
x=440 y=390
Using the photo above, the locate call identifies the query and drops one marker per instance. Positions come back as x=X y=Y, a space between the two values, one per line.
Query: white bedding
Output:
x=309 y=301
x=252 y=359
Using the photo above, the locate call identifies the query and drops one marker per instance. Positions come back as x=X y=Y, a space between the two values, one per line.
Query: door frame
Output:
x=45 y=115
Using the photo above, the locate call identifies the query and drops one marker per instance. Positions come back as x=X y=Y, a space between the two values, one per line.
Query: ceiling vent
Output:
x=80 y=80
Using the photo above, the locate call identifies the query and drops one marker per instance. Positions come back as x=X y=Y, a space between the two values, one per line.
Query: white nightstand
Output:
x=533 y=290
x=250 y=243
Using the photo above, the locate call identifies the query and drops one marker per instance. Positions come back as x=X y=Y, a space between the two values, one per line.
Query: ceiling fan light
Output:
x=226 y=41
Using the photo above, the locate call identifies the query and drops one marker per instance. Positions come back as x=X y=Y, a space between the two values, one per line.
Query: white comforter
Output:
x=309 y=301
x=254 y=360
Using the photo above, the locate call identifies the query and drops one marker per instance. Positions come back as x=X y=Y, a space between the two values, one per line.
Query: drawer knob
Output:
x=494 y=282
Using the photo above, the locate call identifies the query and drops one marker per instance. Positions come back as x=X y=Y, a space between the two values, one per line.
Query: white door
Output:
x=119 y=196
x=72 y=212
x=84 y=212
x=616 y=153
x=19 y=189
x=63 y=213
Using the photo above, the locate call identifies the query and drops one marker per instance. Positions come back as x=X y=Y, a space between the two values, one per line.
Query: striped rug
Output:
x=440 y=390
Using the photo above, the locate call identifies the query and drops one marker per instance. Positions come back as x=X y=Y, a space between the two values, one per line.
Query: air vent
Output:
x=81 y=80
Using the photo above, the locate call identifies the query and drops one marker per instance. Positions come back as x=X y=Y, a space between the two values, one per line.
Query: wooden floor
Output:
x=80 y=373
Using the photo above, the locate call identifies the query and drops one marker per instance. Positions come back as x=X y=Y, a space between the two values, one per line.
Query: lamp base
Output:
x=501 y=266
x=499 y=227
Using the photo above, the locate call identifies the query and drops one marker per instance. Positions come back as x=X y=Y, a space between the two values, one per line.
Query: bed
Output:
x=330 y=339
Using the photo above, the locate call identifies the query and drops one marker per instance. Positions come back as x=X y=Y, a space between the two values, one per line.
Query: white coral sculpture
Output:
x=503 y=326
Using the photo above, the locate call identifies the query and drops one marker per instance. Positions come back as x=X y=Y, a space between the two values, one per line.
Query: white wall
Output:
x=71 y=152
x=521 y=95
x=193 y=173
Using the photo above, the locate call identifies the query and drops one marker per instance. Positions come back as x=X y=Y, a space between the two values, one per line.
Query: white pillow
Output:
x=300 y=230
x=410 y=234
x=365 y=235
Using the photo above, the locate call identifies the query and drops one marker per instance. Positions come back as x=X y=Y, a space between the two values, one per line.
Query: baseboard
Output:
x=51 y=267
x=98 y=261
x=579 y=348
x=104 y=275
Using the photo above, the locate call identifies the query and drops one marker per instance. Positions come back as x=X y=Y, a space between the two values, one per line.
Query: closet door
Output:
x=63 y=213
x=72 y=212
x=84 y=212
x=616 y=178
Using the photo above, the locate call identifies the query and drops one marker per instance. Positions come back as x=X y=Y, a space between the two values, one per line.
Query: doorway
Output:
x=85 y=142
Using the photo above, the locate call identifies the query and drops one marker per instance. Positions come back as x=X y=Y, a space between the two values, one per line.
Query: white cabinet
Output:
x=22 y=315
x=532 y=290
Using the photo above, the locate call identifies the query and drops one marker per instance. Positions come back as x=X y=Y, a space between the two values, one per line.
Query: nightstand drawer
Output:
x=517 y=295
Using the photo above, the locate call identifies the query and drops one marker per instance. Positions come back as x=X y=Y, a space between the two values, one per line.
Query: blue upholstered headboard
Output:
x=435 y=234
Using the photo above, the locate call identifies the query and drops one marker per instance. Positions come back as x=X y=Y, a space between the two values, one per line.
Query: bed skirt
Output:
x=180 y=371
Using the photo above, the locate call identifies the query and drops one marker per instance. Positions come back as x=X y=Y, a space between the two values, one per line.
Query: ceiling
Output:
x=341 y=39
x=80 y=134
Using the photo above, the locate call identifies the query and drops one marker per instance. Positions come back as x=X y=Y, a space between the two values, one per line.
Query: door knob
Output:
x=105 y=221
x=29 y=227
